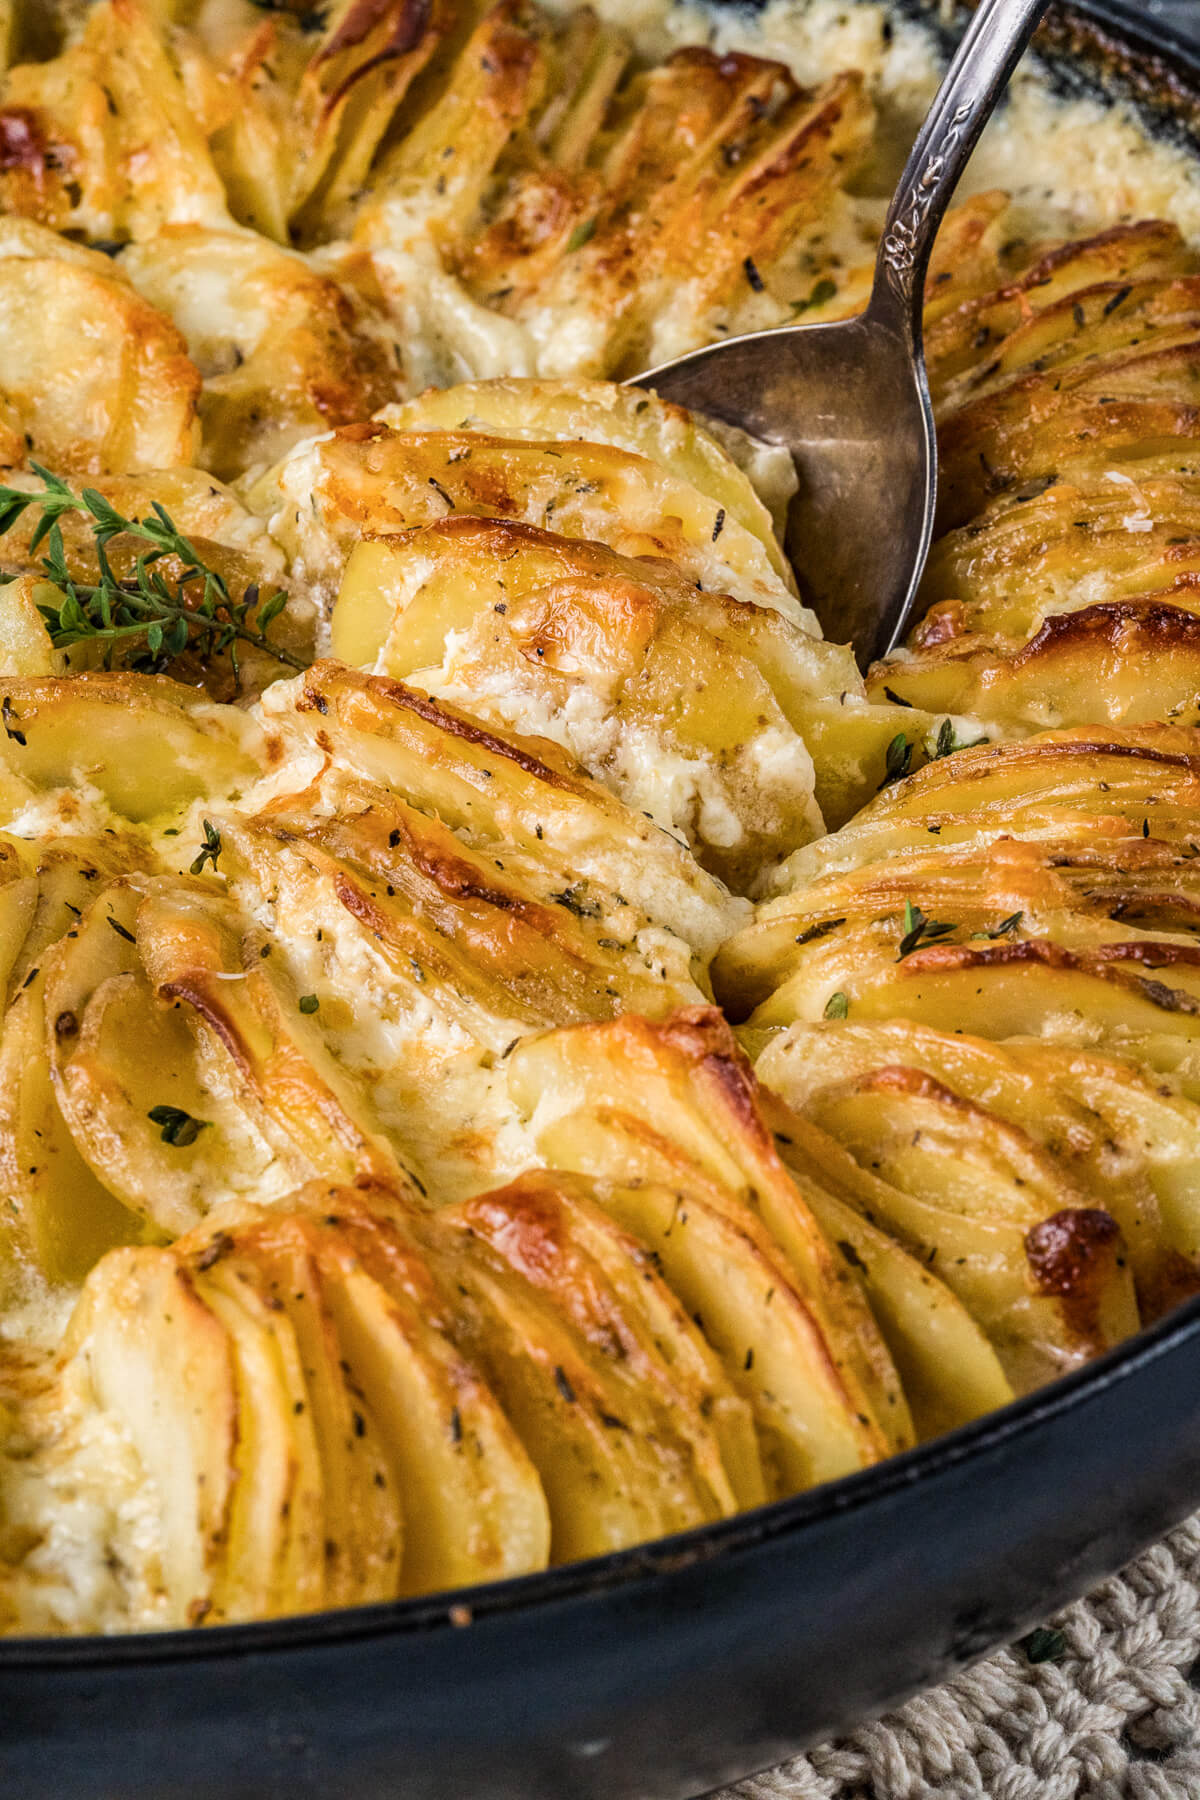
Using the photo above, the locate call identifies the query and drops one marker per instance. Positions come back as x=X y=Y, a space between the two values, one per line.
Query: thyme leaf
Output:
x=210 y=849
x=948 y=741
x=898 y=760
x=149 y=614
x=178 y=1127
x=1006 y=928
x=823 y=291
x=920 y=930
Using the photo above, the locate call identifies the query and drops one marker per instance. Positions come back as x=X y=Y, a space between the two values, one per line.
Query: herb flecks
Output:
x=178 y=1128
x=919 y=930
x=11 y=717
x=309 y=1003
x=948 y=741
x=155 y=616
x=210 y=849
x=837 y=1006
x=822 y=293
x=1006 y=928
x=822 y=929
x=898 y=760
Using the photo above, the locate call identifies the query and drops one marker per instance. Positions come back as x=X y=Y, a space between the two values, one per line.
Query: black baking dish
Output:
x=660 y=1672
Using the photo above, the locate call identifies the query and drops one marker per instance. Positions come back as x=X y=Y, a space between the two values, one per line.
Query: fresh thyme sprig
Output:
x=195 y=607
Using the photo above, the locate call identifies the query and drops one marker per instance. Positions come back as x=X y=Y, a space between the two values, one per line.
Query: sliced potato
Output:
x=63 y=1216
x=148 y=744
x=632 y=1337
x=674 y=1106
x=949 y=1371
x=284 y=1075
x=327 y=491
x=275 y=1512
x=158 y=1357
x=364 y=1526
x=473 y=1506
x=598 y=412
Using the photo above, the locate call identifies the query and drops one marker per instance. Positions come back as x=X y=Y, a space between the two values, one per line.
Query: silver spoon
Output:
x=851 y=400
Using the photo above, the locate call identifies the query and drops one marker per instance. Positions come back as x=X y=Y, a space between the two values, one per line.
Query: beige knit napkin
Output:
x=1115 y=1717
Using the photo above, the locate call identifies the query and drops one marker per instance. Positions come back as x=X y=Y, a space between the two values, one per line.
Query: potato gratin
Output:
x=511 y=1046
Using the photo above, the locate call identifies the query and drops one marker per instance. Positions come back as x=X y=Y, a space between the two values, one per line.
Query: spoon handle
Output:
x=990 y=51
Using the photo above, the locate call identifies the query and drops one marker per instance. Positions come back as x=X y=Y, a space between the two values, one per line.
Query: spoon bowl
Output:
x=850 y=400
x=852 y=406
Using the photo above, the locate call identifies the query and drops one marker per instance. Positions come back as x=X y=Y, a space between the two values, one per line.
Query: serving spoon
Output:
x=850 y=400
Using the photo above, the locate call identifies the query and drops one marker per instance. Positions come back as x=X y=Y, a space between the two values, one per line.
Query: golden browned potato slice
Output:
x=112 y=147
x=276 y=1062
x=115 y=1055
x=1057 y=904
x=341 y=1449
x=1064 y=392
x=599 y=412
x=516 y=798
x=649 y=1409
x=1145 y=1163
x=1025 y=988
x=365 y=62
x=637 y=261
x=948 y=1369
x=704 y=712
x=730 y=1273
x=294 y=105
x=20 y=896
x=1120 y=664
x=326 y=494
x=475 y=939
x=536 y=170
x=147 y=744
x=1053 y=1096
x=282 y=348
x=435 y=179
x=272 y=1558
x=1097 y=540
x=61 y=878
x=282 y=1252
x=157 y=1357
x=61 y=1215
x=93 y=377
x=473 y=1506
x=1092 y=269
x=25 y=644
x=1112 y=786
x=674 y=1106
x=977 y=1188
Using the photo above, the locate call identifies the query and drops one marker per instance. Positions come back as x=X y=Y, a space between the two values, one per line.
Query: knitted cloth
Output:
x=1115 y=1717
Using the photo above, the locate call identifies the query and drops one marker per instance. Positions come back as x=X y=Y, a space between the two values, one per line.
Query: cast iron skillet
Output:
x=658 y=1673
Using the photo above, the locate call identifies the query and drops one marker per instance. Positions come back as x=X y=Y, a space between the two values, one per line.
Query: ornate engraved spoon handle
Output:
x=987 y=56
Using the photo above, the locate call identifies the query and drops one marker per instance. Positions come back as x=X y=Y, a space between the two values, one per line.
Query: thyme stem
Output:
x=169 y=615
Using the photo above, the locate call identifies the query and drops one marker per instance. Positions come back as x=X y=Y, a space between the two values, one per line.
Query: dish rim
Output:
x=723 y=1538
x=1169 y=53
